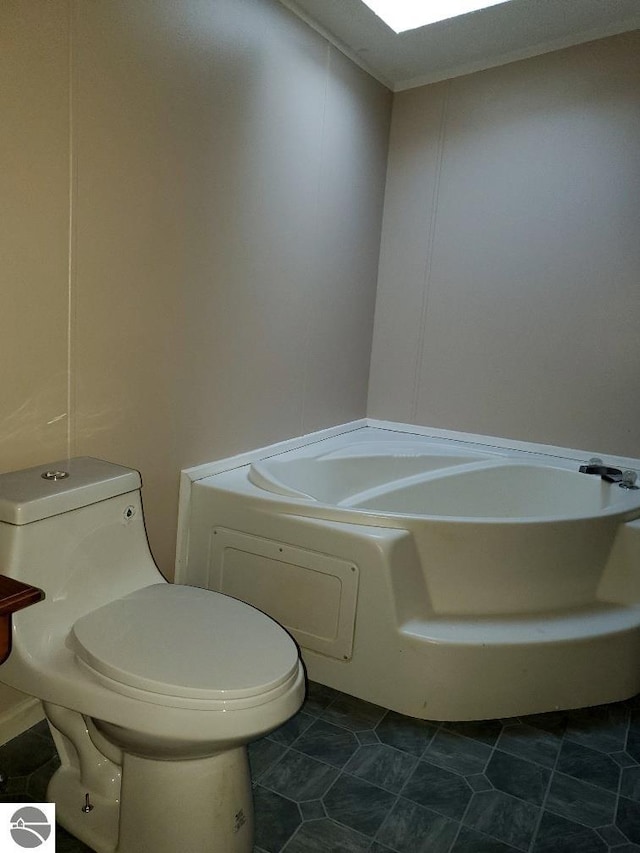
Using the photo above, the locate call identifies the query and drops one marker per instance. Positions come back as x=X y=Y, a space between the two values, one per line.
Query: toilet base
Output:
x=97 y=828
x=202 y=804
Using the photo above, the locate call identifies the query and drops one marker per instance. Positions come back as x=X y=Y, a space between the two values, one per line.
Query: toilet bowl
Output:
x=152 y=690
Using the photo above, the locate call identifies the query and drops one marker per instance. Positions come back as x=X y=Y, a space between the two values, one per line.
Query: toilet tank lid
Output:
x=27 y=496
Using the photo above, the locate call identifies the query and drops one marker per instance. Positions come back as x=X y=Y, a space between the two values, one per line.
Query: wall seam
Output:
x=318 y=253
x=428 y=263
x=71 y=248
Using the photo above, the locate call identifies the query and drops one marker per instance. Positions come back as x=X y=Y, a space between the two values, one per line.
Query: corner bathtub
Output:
x=444 y=579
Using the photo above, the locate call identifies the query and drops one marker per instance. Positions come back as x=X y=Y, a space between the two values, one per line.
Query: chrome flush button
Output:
x=54 y=475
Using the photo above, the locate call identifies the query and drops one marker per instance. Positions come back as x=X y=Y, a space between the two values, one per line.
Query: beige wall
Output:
x=34 y=214
x=227 y=173
x=509 y=291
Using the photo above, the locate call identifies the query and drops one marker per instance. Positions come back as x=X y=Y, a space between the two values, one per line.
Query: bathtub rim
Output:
x=312 y=508
x=257 y=473
x=195 y=474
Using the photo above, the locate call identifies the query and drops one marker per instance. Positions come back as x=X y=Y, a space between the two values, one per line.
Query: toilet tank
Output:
x=51 y=489
x=81 y=537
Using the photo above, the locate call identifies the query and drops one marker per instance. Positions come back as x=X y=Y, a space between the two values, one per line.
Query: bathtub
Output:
x=446 y=578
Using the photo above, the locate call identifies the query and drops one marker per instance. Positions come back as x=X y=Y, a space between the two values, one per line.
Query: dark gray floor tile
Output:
x=633 y=739
x=626 y=848
x=381 y=765
x=276 y=819
x=25 y=754
x=292 y=729
x=612 y=836
x=358 y=804
x=559 y=835
x=299 y=777
x=589 y=765
x=580 y=802
x=504 y=818
x=530 y=743
x=312 y=809
x=454 y=752
x=318 y=697
x=367 y=736
x=634 y=716
x=327 y=743
x=411 y=828
x=322 y=836
x=479 y=782
x=354 y=714
x=630 y=783
x=16 y=797
x=470 y=841
x=262 y=754
x=603 y=728
x=15 y=785
x=42 y=729
x=405 y=733
x=487 y=731
x=633 y=744
x=623 y=759
x=518 y=777
x=628 y=819
x=554 y=722
x=67 y=843
x=39 y=780
x=437 y=789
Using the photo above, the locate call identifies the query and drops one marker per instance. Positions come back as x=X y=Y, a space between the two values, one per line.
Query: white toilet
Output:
x=152 y=690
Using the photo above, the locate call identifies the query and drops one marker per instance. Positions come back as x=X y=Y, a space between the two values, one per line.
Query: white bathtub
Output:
x=446 y=579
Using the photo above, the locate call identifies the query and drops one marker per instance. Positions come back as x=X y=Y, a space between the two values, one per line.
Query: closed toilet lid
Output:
x=184 y=641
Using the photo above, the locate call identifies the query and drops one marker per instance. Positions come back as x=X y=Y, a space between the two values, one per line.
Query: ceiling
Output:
x=482 y=39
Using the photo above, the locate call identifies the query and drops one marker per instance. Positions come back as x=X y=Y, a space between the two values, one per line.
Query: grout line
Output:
x=292 y=836
x=494 y=747
x=536 y=830
x=626 y=743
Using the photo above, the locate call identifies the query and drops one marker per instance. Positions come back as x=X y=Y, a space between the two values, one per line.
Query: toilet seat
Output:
x=182 y=641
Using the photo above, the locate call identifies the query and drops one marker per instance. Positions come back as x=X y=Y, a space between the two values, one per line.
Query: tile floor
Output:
x=345 y=776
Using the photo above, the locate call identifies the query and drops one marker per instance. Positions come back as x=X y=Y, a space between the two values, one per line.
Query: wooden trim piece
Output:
x=14 y=595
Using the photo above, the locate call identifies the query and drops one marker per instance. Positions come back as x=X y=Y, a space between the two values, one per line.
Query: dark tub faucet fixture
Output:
x=625 y=479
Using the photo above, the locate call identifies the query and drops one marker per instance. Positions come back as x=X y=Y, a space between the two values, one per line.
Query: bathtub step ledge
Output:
x=599 y=621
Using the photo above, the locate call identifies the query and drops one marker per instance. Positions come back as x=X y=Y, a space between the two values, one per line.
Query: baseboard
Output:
x=18 y=718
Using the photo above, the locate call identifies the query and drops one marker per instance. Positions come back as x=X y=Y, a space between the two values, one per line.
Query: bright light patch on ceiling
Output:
x=403 y=15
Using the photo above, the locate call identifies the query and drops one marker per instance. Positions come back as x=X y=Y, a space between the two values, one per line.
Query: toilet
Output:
x=152 y=690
